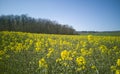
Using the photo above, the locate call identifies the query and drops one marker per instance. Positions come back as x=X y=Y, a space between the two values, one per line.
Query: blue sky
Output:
x=82 y=15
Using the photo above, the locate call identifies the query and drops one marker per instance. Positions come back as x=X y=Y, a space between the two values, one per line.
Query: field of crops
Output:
x=28 y=53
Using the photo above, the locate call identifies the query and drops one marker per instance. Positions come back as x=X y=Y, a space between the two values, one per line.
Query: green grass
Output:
x=102 y=34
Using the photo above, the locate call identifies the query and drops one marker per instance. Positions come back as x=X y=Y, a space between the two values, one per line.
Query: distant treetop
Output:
x=25 y=23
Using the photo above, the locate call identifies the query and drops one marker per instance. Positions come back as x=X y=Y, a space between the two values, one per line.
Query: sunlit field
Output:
x=29 y=53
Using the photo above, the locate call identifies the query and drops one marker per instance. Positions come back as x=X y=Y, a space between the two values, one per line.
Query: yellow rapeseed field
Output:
x=29 y=53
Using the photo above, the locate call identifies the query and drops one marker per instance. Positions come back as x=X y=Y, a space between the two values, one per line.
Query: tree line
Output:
x=25 y=23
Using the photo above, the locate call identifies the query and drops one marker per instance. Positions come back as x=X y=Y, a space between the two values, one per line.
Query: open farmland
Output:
x=30 y=53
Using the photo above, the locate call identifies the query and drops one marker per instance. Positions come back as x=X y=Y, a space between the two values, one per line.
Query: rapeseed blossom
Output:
x=2 y=52
x=37 y=49
x=90 y=37
x=42 y=63
x=113 y=68
x=80 y=60
x=58 y=60
x=65 y=55
x=50 y=51
x=93 y=67
x=38 y=46
x=103 y=48
x=118 y=62
x=80 y=68
x=117 y=72
x=84 y=52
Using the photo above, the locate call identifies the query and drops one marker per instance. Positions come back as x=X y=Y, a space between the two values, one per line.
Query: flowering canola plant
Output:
x=31 y=53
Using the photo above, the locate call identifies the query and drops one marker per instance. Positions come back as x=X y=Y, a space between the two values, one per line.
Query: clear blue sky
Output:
x=82 y=15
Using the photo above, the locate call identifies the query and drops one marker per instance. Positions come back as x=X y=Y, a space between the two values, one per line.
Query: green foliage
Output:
x=24 y=23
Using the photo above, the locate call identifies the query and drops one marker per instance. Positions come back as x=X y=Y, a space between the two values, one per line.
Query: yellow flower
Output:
x=83 y=43
x=65 y=64
x=37 y=49
x=117 y=72
x=70 y=58
x=80 y=60
x=74 y=53
x=90 y=37
x=38 y=44
x=93 y=67
x=113 y=68
x=31 y=42
x=118 y=62
x=80 y=68
x=58 y=60
x=103 y=48
x=2 y=52
x=64 y=54
x=84 y=52
x=42 y=63
x=50 y=51
x=83 y=67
